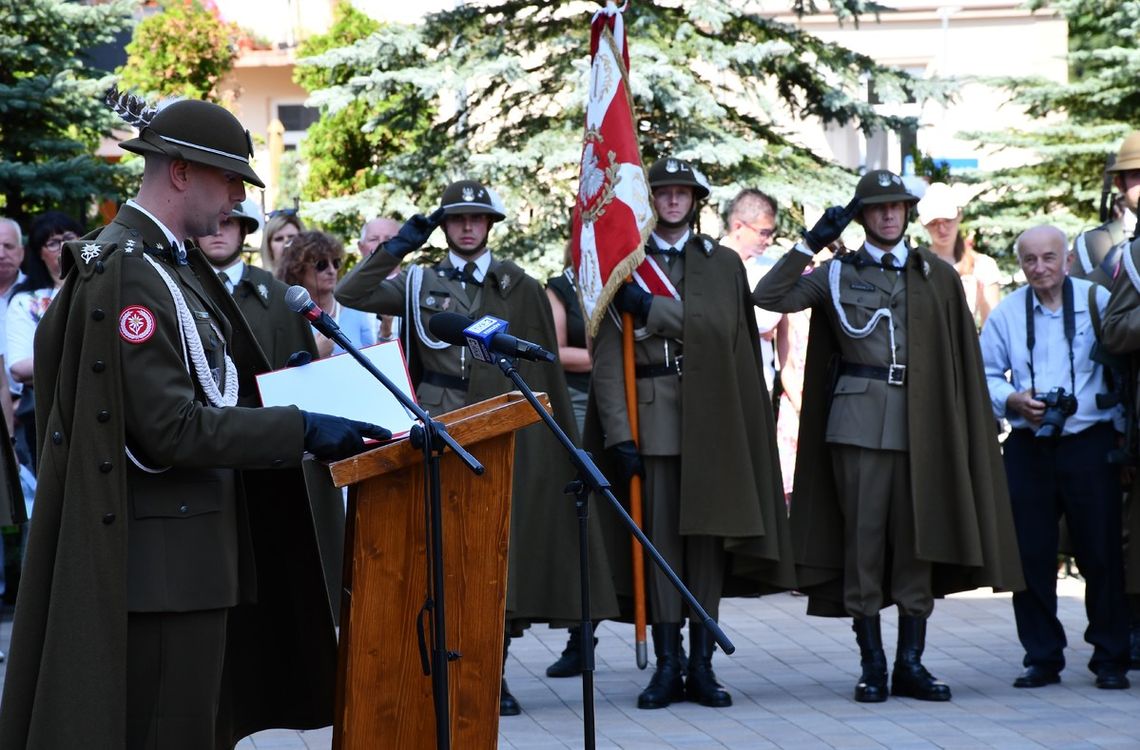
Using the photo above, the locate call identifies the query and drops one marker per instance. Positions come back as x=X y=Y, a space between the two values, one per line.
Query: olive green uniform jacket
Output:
x=730 y=467
x=281 y=332
x=66 y=678
x=964 y=526
x=1120 y=334
x=542 y=576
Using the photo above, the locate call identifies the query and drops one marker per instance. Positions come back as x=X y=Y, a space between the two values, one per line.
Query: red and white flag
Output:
x=613 y=214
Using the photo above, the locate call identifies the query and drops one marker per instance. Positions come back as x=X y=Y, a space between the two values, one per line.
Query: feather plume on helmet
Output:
x=130 y=108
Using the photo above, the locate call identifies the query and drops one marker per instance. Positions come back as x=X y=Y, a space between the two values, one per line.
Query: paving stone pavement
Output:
x=791 y=680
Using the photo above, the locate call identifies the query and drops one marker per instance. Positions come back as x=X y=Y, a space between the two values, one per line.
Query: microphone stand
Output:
x=591 y=479
x=432 y=437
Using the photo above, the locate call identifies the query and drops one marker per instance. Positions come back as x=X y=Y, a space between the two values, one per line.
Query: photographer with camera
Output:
x=1044 y=377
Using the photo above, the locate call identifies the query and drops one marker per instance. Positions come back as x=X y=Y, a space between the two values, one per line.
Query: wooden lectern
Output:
x=383 y=697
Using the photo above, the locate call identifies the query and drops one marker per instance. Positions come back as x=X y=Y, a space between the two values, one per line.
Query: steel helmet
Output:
x=196 y=131
x=248 y=215
x=1128 y=157
x=471 y=197
x=673 y=171
x=883 y=186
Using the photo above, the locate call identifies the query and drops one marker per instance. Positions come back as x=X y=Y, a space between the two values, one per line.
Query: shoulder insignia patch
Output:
x=90 y=252
x=136 y=324
x=129 y=246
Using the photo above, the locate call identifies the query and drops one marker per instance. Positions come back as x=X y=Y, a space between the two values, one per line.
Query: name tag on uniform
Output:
x=201 y=314
x=862 y=286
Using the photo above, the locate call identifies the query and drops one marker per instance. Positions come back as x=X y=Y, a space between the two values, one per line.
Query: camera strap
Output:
x=1069 y=320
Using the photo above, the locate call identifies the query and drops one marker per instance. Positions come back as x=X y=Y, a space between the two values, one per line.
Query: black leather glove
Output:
x=299 y=359
x=332 y=438
x=413 y=234
x=831 y=225
x=629 y=460
x=633 y=299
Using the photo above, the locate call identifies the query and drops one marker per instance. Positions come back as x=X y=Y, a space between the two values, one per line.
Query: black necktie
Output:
x=225 y=279
x=468 y=279
x=890 y=261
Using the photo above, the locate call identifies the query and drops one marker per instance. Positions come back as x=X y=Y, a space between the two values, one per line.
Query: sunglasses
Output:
x=323 y=264
x=282 y=212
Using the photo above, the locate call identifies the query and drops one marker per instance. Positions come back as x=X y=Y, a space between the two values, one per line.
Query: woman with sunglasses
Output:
x=280 y=229
x=313 y=260
x=30 y=300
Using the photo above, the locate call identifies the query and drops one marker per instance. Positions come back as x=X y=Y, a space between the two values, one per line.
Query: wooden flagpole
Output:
x=634 y=494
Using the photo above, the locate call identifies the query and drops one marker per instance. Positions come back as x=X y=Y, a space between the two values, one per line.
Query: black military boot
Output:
x=1134 y=647
x=665 y=686
x=508 y=705
x=570 y=663
x=872 y=685
x=700 y=680
x=909 y=678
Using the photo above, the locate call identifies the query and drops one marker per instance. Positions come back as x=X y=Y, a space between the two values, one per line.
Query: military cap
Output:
x=248 y=215
x=883 y=186
x=200 y=132
x=471 y=197
x=1128 y=157
x=673 y=171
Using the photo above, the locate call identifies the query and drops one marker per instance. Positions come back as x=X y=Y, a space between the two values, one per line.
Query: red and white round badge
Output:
x=136 y=324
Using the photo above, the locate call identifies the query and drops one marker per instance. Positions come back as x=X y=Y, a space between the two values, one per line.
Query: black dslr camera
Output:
x=1059 y=406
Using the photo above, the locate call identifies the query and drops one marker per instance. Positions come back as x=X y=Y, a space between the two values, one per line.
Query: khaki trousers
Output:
x=174 y=678
x=878 y=520
x=698 y=560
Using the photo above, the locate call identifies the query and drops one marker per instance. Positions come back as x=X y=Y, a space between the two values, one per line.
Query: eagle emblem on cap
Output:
x=672 y=166
x=884 y=179
x=468 y=194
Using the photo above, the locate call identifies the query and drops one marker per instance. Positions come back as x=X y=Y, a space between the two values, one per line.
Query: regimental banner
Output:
x=613 y=214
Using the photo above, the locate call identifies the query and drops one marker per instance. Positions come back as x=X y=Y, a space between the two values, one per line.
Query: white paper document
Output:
x=341 y=386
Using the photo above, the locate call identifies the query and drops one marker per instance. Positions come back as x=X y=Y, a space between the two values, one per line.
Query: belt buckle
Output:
x=677 y=363
x=896 y=374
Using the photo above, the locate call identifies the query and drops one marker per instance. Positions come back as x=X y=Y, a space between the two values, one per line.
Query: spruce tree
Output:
x=1079 y=124
x=51 y=118
x=509 y=77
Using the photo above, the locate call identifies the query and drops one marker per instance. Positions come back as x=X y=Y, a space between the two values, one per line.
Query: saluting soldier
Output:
x=161 y=589
x=1098 y=251
x=542 y=580
x=899 y=490
x=707 y=443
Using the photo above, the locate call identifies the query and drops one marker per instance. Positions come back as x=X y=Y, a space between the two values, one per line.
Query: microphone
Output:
x=298 y=300
x=486 y=338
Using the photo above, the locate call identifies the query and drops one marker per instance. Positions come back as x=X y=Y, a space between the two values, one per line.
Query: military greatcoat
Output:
x=542 y=579
x=963 y=522
x=110 y=537
x=715 y=417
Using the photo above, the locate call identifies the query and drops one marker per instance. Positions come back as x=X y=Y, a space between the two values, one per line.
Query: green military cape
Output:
x=542 y=572
x=730 y=467
x=65 y=685
x=964 y=525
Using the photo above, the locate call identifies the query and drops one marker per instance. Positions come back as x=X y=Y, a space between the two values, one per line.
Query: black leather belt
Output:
x=444 y=380
x=894 y=374
x=658 y=371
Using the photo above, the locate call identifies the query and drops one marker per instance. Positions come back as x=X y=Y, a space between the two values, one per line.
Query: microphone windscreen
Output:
x=297 y=298
x=449 y=327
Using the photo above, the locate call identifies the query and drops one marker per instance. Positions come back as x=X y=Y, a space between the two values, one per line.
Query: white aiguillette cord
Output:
x=194 y=357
